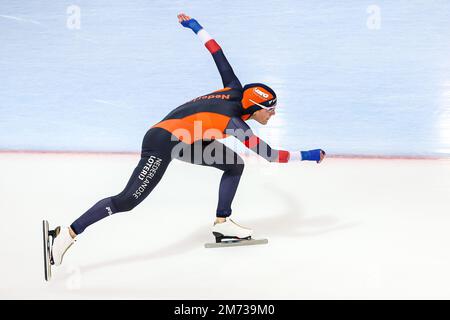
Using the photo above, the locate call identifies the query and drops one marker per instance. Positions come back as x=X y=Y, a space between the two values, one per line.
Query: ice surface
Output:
x=341 y=229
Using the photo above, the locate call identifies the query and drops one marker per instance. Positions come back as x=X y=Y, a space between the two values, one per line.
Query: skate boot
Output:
x=56 y=243
x=61 y=243
x=230 y=231
x=230 y=234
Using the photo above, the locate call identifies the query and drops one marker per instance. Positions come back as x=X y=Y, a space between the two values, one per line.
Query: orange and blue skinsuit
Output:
x=189 y=133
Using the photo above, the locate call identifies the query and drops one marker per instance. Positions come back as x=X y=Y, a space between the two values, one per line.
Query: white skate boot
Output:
x=229 y=231
x=61 y=243
x=56 y=243
x=229 y=234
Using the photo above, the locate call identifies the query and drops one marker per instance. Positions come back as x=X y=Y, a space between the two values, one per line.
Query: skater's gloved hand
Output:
x=313 y=155
x=188 y=22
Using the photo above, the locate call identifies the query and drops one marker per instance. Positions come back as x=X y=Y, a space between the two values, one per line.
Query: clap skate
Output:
x=230 y=234
x=54 y=252
x=49 y=236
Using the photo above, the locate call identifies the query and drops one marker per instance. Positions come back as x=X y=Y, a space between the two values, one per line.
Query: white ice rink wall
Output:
x=353 y=78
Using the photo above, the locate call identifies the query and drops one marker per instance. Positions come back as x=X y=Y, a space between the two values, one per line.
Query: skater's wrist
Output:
x=295 y=156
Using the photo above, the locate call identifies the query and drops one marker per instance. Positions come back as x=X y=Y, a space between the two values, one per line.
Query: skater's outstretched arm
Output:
x=241 y=130
x=229 y=79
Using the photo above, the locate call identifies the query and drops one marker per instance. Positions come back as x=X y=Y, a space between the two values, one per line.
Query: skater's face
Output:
x=263 y=115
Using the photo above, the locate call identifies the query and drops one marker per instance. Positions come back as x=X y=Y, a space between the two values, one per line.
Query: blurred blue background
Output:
x=354 y=78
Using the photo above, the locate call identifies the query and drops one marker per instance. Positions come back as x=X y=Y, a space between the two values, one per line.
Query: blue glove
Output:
x=312 y=155
x=193 y=25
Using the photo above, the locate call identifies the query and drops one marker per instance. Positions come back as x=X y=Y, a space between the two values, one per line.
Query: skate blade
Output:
x=236 y=243
x=47 y=264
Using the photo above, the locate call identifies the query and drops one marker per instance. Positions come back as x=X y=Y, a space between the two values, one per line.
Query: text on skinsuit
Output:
x=148 y=167
x=213 y=96
x=147 y=173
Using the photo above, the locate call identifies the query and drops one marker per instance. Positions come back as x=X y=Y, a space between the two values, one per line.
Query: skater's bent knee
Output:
x=124 y=204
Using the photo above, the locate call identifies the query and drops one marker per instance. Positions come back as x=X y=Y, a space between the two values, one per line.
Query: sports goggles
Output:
x=272 y=108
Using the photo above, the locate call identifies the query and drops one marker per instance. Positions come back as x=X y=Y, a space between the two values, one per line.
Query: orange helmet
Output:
x=257 y=96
